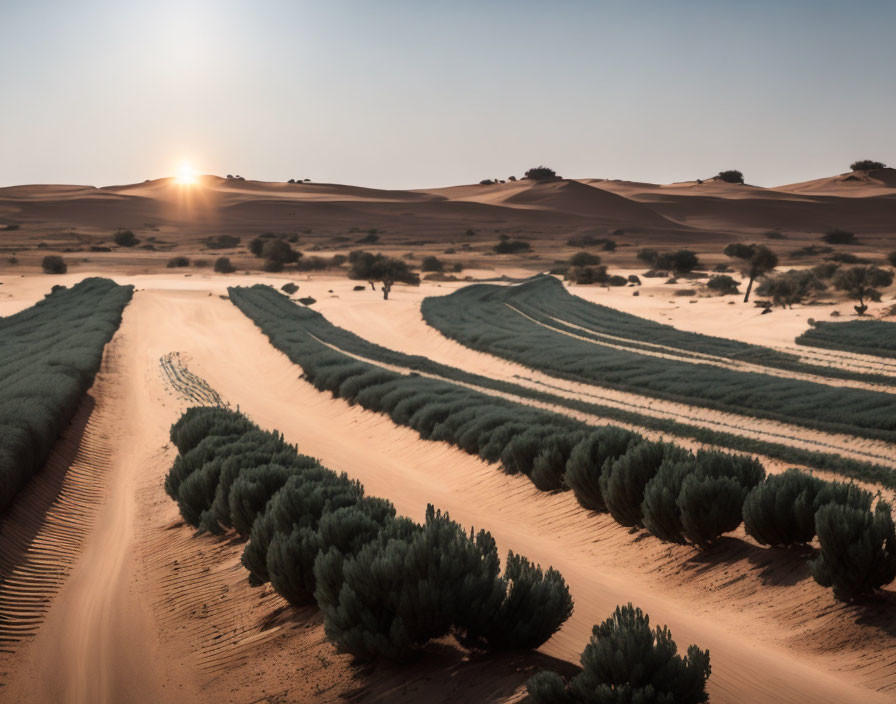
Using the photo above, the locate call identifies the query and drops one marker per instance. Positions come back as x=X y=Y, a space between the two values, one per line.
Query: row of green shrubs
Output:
x=385 y=584
x=479 y=316
x=677 y=495
x=872 y=337
x=288 y=326
x=49 y=356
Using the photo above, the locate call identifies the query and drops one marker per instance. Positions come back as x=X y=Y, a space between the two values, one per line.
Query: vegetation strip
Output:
x=675 y=494
x=476 y=316
x=869 y=337
x=292 y=329
x=385 y=585
x=49 y=356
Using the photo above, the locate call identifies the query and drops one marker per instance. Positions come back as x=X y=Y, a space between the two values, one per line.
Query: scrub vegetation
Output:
x=49 y=356
x=386 y=585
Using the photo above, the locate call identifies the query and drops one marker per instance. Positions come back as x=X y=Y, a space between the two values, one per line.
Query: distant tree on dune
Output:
x=758 y=260
x=125 y=238
x=867 y=165
x=541 y=173
x=863 y=283
x=731 y=176
x=839 y=236
x=790 y=287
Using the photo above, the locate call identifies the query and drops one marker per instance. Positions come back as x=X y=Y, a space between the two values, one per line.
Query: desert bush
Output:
x=289 y=288
x=49 y=356
x=731 y=176
x=508 y=246
x=617 y=280
x=549 y=465
x=125 y=238
x=176 y=262
x=541 y=173
x=584 y=259
x=723 y=285
x=697 y=498
x=839 y=236
x=307 y=300
x=790 y=287
x=251 y=491
x=781 y=510
x=866 y=165
x=623 y=480
x=223 y=266
x=400 y=591
x=584 y=275
x=53 y=264
x=626 y=662
x=279 y=251
x=863 y=283
x=681 y=261
x=431 y=263
x=858 y=549
x=587 y=459
x=377 y=267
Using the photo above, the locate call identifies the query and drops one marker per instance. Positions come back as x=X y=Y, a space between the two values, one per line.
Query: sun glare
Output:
x=186 y=174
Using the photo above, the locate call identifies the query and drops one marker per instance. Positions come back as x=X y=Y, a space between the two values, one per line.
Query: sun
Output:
x=186 y=174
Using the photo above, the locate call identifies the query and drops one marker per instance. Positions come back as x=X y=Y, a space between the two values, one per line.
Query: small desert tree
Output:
x=627 y=661
x=541 y=173
x=378 y=267
x=731 y=176
x=867 y=165
x=863 y=283
x=758 y=260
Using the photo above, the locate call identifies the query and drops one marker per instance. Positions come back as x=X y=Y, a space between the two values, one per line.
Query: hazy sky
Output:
x=416 y=93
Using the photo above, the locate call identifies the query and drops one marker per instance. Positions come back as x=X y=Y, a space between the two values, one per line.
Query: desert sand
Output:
x=106 y=596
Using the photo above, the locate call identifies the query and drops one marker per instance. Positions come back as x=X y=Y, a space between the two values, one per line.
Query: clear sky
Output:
x=395 y=93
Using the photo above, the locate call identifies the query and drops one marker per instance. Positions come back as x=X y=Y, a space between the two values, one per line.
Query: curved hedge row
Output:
x=385 y=584
x=676 y=495
x=297 y=331
x=477 y=316
x=873 y=337
x=49 y=356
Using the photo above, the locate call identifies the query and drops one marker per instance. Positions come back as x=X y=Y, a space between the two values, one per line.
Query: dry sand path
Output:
x=109 y=636
x=97 y=643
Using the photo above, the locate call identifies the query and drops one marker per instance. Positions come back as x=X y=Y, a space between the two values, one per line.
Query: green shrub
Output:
x=623 y=480
x=709 y=507
x=53 y=264
x=858 y=550
x=507 y=246
x=866 y=165
x=731 y=176
x=627 y=662
x=49 y=356
x=251 y=491
x=431 y=263
x=839 y=236
x=541 y=173
x=549 y=464
x=781 y=510
x=223 y=266
x=584 y=259
x=723 y=284
x=587 y=459
x=176 y=262
x=125 y=238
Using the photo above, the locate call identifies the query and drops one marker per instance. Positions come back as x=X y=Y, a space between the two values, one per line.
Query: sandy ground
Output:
x=148 y=613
